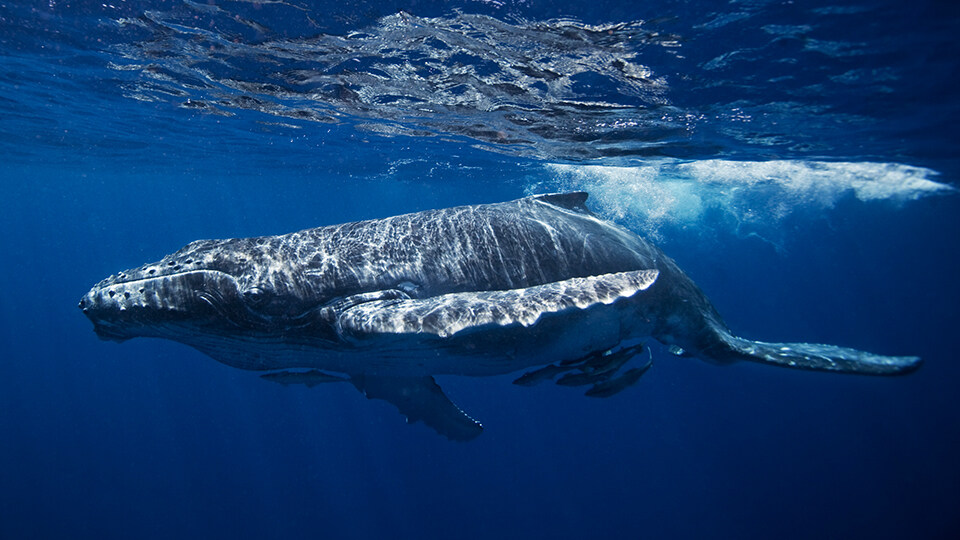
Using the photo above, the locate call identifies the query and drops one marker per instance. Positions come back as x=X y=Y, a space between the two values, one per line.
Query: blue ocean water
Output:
x=797 y=159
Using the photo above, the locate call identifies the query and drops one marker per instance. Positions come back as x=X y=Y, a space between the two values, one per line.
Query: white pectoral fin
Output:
x=448 y=314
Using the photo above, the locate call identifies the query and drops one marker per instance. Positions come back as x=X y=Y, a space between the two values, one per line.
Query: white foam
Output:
x=674 y=192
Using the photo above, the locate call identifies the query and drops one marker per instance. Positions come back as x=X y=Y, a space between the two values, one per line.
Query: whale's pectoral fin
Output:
x=308 y=378
x=421 y=399
x=448 y=314
x=818 y=357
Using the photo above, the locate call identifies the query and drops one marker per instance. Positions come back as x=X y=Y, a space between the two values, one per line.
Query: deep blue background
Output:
x=151 y=439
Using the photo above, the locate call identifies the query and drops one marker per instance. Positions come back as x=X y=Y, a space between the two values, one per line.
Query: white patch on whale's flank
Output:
x=674 y=192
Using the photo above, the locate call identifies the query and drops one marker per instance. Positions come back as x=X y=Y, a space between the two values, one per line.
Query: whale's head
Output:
x=208 y=289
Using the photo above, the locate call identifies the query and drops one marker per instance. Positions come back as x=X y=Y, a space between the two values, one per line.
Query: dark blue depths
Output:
x=150 y=439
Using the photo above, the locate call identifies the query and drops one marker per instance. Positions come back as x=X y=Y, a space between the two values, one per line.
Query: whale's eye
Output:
x=256 y=296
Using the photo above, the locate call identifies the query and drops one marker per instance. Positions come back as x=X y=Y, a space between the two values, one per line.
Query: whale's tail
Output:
x=810 y=356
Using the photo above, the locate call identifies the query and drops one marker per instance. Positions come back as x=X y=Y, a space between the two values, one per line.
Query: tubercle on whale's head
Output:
x=223 y=287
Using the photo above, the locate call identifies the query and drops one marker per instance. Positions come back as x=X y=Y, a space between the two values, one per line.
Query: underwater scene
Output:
x=479 y=269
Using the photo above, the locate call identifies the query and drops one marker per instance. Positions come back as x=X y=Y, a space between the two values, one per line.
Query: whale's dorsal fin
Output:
x=575 y=200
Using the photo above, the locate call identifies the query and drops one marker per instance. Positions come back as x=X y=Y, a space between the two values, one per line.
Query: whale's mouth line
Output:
x=157 y=292
x=173 y=275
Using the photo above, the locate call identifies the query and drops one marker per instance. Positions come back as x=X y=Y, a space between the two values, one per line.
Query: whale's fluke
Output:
x=817 y=357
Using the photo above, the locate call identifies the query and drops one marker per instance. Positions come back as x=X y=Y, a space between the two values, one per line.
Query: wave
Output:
x=558 y=87
x=752 y=196
x=754 y=82
x=561 y=83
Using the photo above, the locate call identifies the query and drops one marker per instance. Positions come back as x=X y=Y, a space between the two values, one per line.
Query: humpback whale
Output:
x=540 y=283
